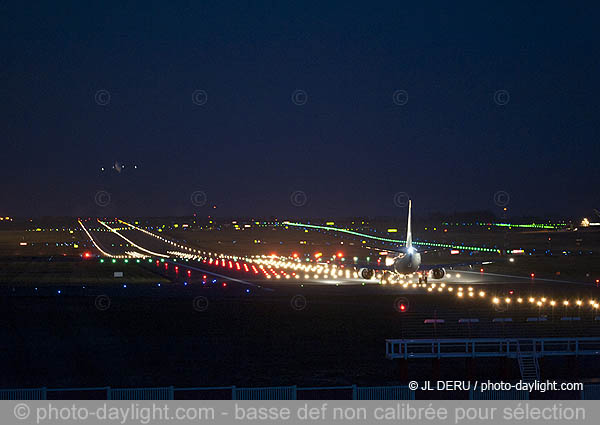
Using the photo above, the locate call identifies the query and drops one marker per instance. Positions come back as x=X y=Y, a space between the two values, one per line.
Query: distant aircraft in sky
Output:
x=118 y=167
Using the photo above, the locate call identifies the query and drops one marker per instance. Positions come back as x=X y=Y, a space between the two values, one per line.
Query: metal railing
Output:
x=158 y=393
x=352 y=392
x=490 y=347
x=591 y=391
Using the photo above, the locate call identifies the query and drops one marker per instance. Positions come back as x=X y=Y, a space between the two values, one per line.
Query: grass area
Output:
x=73 y=272
x=33 y=243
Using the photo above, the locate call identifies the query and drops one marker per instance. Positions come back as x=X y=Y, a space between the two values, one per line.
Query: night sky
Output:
x=448 y=103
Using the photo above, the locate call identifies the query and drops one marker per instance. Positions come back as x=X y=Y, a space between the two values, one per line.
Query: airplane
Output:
x=406 y=262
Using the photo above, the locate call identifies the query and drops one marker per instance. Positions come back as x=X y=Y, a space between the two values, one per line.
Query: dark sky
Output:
x=497 y=97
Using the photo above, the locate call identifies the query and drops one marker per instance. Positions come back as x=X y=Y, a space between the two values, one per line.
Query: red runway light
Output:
x=87 y=255
x=532 y=275
x=481 y=270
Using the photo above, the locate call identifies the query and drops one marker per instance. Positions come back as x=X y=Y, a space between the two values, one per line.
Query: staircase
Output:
x=528 y=364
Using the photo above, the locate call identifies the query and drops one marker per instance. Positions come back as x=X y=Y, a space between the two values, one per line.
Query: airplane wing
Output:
x=425 y=267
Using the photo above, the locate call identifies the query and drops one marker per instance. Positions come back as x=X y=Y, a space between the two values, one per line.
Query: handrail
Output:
x=490 y=347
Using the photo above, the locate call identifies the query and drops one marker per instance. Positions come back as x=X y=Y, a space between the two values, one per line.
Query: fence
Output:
x=498 y=395
x=161 y=393
x=267 y=393
x=23 y=394
x=490 y=347
x=352 y=392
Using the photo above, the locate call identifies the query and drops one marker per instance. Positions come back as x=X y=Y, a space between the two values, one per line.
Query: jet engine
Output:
x=438 y=273
x=365 y=273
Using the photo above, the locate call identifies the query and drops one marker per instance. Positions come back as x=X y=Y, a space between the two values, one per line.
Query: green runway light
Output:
x=102 y=260
x=114 y=261
x=364 y=235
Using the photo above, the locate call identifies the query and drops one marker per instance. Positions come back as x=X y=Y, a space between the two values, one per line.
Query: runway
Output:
x=120 y=239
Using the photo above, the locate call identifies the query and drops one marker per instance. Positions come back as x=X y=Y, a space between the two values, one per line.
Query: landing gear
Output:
x=386 y=277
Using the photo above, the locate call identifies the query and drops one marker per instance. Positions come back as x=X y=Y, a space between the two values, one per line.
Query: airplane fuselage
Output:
x=407 y=263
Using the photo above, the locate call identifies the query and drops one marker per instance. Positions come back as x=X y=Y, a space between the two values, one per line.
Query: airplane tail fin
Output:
x=408 y=227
